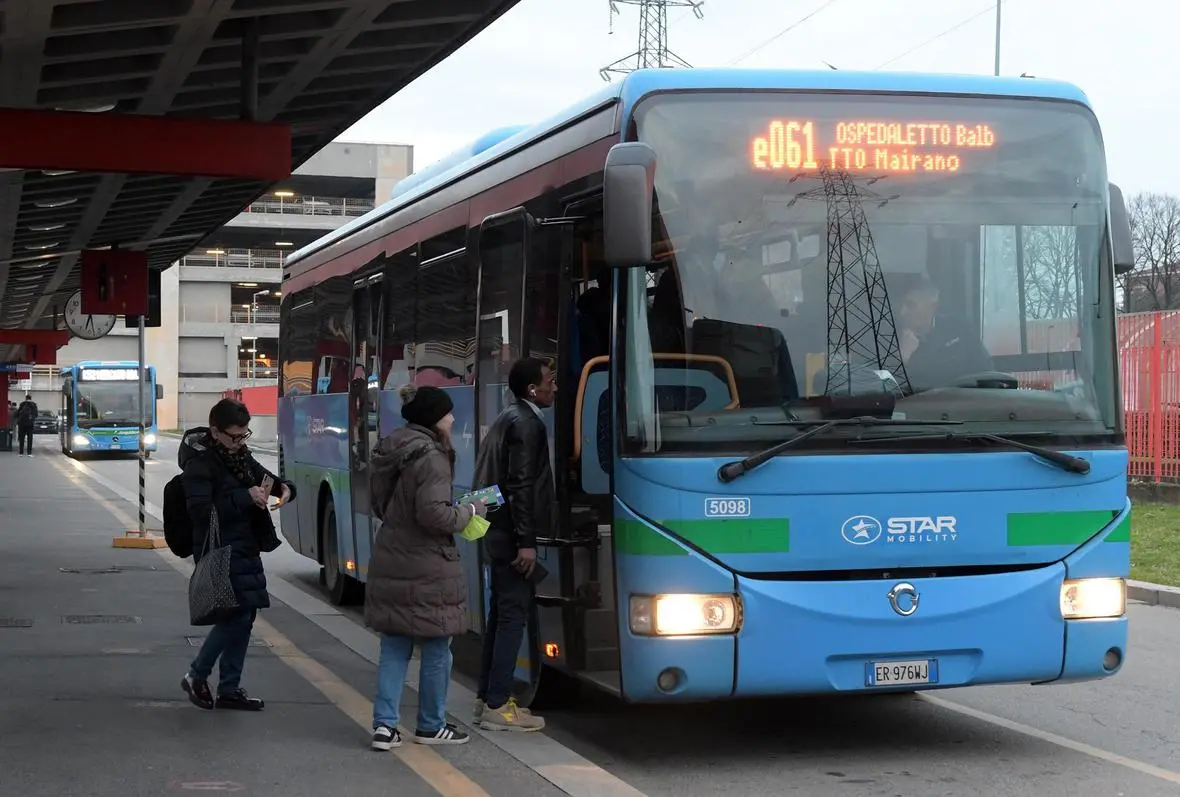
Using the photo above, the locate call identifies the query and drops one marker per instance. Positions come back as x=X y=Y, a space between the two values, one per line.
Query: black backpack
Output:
x=27 y=413
x=178 y=527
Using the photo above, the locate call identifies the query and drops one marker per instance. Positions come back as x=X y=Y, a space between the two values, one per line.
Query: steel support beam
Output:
x=136 y=144
x=50 y=338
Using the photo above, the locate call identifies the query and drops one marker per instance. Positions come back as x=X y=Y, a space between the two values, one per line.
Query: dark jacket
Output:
x=416 y=585
x=246 y=528
x=515 y=455
x=26 y=413
x=950 y=350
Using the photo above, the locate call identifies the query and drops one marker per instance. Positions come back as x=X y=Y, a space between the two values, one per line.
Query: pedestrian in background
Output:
x=26 y=415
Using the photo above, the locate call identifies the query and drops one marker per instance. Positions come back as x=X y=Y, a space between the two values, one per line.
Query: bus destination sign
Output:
x=109 y=374
x=853 y=146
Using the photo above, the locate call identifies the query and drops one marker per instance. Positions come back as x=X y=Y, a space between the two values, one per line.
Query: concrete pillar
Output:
x=232 y=343
x=163 y=349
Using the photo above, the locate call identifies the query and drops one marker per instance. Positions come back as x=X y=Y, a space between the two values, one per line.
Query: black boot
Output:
x=238 y=700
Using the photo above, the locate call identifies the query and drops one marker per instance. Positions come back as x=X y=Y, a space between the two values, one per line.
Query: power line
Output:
x=990 y=9
x=780 y=34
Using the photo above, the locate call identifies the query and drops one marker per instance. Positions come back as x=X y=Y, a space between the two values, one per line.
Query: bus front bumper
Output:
x=816 y=637
x=119 y=443
x=897 y=634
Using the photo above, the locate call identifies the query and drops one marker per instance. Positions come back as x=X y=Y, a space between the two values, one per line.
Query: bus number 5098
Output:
x=727 y=507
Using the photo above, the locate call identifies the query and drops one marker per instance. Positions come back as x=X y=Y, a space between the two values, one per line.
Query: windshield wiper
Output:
x=731 y=470
x=1066 y=461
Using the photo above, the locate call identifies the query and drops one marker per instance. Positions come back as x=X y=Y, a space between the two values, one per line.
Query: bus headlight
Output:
x=81 y=440
x=149 y=439
x=1091 y=598
x=685 y=615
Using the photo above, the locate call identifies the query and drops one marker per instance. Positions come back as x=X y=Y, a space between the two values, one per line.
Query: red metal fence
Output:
x=1149 y=366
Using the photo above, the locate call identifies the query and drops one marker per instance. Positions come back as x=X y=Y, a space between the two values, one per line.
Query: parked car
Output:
x=46 y=423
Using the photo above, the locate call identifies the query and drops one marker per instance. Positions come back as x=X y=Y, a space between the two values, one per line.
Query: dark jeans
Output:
x=512 y=595
x=24 y=433
x=228 y=640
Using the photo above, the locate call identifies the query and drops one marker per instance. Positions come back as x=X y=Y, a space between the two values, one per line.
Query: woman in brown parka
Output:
x=416 y=590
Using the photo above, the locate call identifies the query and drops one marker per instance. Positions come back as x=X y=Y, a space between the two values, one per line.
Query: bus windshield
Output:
x=112 y=403
x=919 y=257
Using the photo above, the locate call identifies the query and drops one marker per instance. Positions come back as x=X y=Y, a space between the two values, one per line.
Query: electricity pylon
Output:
x=861 y=329
x=653 y=52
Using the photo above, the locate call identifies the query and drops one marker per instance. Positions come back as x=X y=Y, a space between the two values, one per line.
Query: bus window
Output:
x=397 y=355
x=501 y=284
x=445 y=350
x=297 y=343
x=542 y=297
x=333 y=304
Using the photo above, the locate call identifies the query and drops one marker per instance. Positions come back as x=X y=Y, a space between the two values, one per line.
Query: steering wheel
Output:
x=995 y=380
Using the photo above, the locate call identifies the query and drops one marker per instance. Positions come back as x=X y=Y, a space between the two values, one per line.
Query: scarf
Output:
x=237 y=462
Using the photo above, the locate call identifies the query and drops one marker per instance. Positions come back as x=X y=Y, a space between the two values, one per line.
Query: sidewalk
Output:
x=94 y=641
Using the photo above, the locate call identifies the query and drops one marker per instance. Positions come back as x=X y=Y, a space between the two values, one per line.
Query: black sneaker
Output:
x=238 y=700
x=197 y=691
x=386 y=738
x=447 y=734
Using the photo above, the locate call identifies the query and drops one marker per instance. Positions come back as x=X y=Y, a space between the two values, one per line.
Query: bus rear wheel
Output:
x=342 y=588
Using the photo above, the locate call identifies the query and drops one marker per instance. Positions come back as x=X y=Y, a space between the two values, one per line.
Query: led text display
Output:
x=906 y=147
x=109 y=375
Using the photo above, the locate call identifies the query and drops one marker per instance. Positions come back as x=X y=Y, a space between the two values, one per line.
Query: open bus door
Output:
x=503 y=256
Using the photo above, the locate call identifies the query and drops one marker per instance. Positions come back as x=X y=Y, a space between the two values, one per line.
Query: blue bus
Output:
x=100 y=408
x=838 y=404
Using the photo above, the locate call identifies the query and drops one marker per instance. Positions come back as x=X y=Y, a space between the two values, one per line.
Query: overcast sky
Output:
x=545 y=55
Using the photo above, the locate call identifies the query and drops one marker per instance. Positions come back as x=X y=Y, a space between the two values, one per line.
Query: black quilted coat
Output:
x=243 y=526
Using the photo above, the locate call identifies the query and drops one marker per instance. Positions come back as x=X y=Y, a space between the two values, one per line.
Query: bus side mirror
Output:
x=1120 y=232
x=159 y=392
x=628 y=184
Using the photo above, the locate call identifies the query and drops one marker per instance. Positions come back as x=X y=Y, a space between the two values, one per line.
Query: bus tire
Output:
x=342 y=588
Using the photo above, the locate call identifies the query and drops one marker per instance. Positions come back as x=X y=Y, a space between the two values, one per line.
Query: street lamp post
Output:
x=999 y=3
x=254 y=320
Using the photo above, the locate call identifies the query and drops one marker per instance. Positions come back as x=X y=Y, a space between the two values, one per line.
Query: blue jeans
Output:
x=434 y=678
x=228 y=640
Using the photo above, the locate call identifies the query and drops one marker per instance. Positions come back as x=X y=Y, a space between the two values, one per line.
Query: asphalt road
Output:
x=1116 y=737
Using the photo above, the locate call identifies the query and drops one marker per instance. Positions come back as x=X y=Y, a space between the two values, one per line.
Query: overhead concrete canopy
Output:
x=316 y=65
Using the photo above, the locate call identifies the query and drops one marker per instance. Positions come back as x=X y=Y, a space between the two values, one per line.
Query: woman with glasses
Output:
x=221 y=476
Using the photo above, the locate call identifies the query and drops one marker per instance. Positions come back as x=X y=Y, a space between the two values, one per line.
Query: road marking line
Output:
x=1052 y=738
x=427 y=764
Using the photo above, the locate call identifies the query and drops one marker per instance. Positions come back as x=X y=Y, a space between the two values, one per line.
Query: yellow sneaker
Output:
x=510 y=717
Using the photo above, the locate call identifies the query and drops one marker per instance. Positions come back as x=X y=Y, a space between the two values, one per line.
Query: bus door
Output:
x=363 y=401
x=503 y=247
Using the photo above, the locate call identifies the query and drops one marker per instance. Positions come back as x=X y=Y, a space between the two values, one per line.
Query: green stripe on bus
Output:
x=726 y=536
x=735 y=535
x=1055 y=528
x=639 y=539
x=1122 y=532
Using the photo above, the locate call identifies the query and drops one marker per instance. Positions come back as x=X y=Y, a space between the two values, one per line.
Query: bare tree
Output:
x=1154 y=283
x=1051 y=272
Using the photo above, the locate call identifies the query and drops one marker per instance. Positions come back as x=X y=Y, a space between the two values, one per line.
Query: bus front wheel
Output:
x=343 y=589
